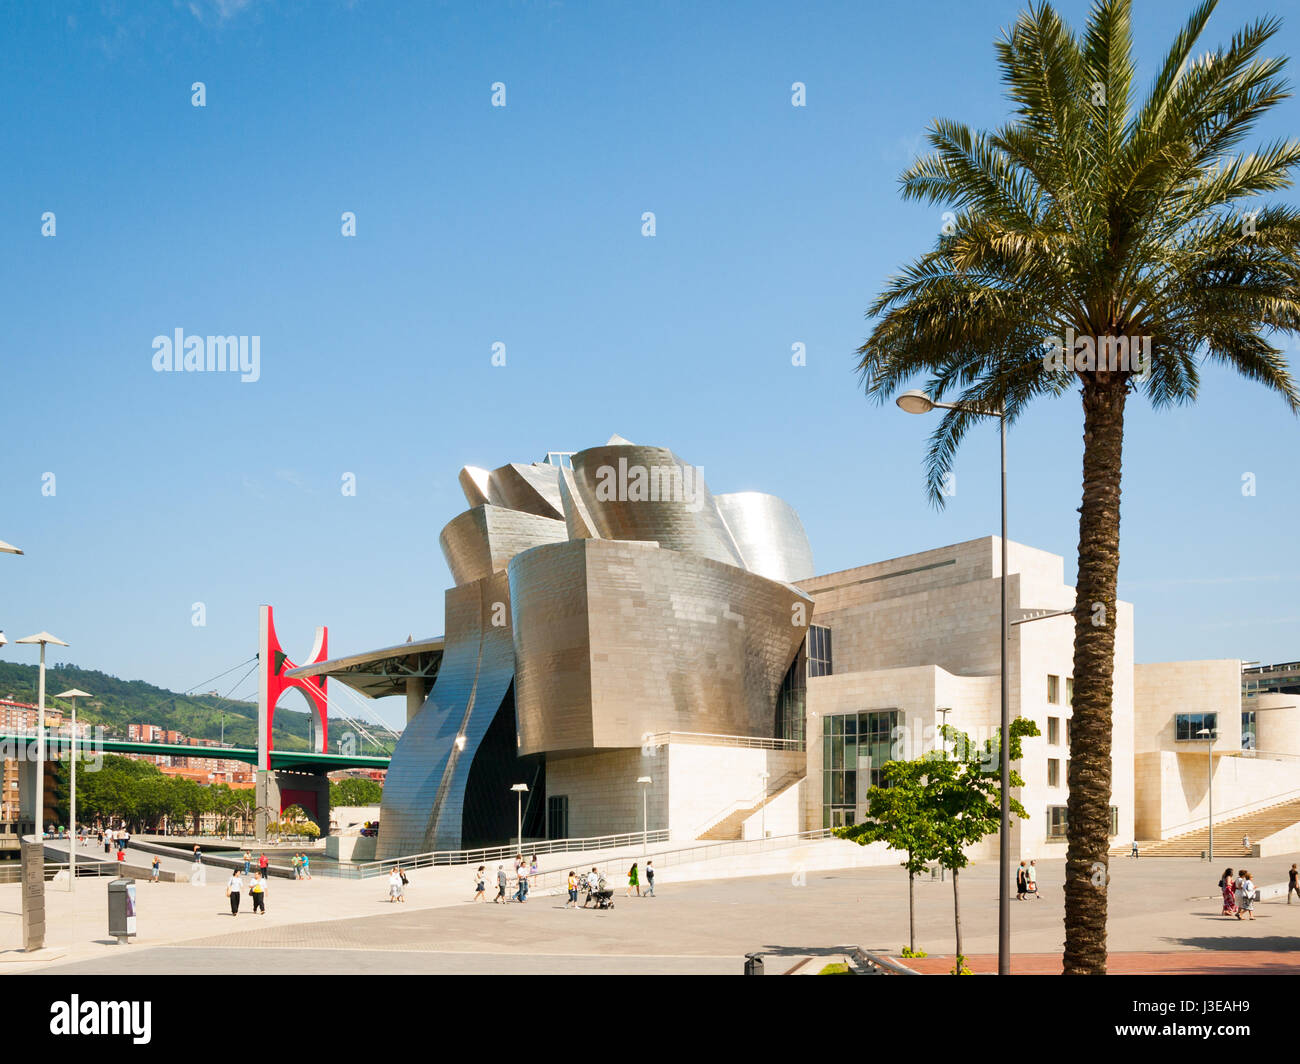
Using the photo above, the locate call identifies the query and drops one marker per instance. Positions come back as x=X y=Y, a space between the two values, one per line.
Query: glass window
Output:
x=1054 y=690
x=1053 y=772
x=1114 y=820
x=1053 y=731
x=1056 y=820
x=1069 y=690
x=1188 y=726
x=1248 y=730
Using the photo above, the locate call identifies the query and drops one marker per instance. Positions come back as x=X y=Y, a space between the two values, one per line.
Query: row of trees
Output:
x=141 y=796
x=933 y=808
x=352 y=791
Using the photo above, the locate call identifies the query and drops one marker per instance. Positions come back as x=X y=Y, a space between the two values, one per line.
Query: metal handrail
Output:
x=708 y=852
x=770 y=791
x=753 y=742
x=437 y=858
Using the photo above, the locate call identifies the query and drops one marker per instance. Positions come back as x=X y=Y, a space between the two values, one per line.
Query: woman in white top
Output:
x=233 y=886
x=1246 y=896
x=394 y=885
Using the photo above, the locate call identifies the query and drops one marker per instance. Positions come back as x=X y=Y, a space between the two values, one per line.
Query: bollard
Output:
x=754 y=964
x=121 y=909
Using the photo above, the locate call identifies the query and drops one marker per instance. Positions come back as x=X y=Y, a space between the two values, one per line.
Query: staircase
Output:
x=728 y=828
x=1227 y=834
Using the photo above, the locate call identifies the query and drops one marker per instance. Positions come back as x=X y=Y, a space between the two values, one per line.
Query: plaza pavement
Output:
x=1164 y=915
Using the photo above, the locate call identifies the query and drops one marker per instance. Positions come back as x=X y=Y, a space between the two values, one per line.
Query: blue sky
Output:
x=775 y=225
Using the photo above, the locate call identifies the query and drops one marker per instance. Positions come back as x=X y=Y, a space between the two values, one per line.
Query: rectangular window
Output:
x=1069 y=690
x=1053 y=772
x=557 y=816
x=1067 y=733
x=1056 y=821
x=1188 y=726
x=1114 y=820
x=1054 y=690
x=1053 y=731
x=1248 y=730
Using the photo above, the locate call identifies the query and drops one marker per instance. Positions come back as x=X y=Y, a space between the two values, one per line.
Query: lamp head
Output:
x=915 y=402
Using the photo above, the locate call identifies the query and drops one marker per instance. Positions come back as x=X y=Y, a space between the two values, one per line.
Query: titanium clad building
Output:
x=608 y=609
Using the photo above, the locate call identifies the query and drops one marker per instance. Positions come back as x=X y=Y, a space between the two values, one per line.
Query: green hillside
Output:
x=117 y=703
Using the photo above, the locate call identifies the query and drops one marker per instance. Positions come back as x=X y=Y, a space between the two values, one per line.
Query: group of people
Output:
x=525 y=871
x=301 y=866
x=397 y=882
x=256 y=890
x=1027 y=881
x=114 y=837
x=1239 y=894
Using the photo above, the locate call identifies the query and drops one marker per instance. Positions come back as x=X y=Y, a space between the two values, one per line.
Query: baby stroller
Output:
x=597 y=891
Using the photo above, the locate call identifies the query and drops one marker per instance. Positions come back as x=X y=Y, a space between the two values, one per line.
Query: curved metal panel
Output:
x=482 y=541
x=614 y=640
x=534 y=489
x=769 y=535
x=651 y=495
x=477 y=486
x=577 y=518
x=424 y=792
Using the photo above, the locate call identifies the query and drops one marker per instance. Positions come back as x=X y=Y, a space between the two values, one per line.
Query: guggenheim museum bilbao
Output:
x=618 y=635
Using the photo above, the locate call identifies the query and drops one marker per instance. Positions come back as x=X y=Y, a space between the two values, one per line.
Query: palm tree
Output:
x=1090 y=215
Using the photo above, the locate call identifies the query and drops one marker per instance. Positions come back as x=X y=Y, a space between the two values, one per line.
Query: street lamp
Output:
x=917 y=402
x=8 y=548
x=42 y=638
x=645 y=782
x=520 y=789
x=72 y=697
x=762 y=807
x=1208 y=735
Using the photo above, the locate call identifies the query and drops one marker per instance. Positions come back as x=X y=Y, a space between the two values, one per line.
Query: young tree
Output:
x=1125 y=223
x=900 y=814
x=966 y=795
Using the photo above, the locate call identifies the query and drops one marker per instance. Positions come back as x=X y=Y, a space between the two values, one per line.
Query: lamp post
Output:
x=72 y=697
x=42 y=638
x=943 y=742
x=520 y=790
x=645 y=782
x=916 y=402
x=1209 y=777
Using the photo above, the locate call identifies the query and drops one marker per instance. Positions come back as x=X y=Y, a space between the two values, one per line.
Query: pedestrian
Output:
x=593 y=885
x=297 y=866
x=649 y=879
x=480 y=884
x=264 y=865
x=258 y=891
x=521 y=887
x=234 y=885
x=1227 y=888
x=502 y=883
x=248 y=862
x=306 y=866
x=401 y=875
x=519 y=863
x=1245 y=844
x=198 y=858
x=153 y=870
x=1031 y=881
x=1246 y=903
x=126 y=838
x=572 y=903
x=1134 y=852
x=532 y=867
x=107 y=838
x=1292 y=884
x=1020 y=882
x=121 y=861
x=633 y=881
x=394 y=886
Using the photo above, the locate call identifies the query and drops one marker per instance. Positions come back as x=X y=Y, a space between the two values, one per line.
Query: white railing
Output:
x=555 y=877
x=753 y=742
x=437 y=858
x=753 y=804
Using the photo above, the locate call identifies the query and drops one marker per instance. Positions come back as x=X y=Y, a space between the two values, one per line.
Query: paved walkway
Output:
x=1186 y=962
x=1159 y=909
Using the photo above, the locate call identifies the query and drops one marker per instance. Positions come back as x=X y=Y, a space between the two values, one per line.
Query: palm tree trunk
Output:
x=956 y=912
x=1089 y=779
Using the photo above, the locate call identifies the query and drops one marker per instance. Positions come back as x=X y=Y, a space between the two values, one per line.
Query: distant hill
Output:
x=117 y=703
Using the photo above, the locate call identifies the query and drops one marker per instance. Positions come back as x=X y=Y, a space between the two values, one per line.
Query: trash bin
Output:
x=121 y=909
x=754 y=964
